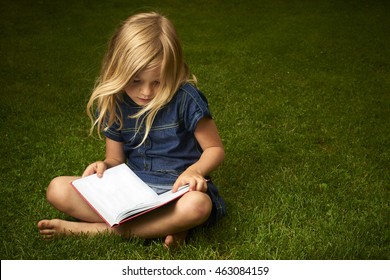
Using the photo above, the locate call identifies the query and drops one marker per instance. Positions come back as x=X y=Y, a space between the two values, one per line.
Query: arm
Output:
x=114 y=156
x=207 y=135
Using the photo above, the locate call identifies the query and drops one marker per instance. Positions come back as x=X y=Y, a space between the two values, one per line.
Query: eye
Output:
x=136 y=81
x=156 y=83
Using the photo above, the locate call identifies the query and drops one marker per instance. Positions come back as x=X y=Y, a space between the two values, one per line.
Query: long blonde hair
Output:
x=143 y=41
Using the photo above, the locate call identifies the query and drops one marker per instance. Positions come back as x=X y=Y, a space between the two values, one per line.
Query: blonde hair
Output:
x=143 y=41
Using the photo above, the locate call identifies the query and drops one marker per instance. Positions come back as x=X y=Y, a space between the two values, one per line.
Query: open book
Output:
x=121 y=195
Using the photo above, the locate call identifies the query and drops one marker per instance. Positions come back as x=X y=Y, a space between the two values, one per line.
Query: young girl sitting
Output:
x=159 y=123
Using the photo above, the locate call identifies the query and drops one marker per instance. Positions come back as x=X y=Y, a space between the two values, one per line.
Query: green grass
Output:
x=300 y=91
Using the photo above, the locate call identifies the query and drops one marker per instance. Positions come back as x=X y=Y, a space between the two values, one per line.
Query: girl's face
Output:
x=144 y=86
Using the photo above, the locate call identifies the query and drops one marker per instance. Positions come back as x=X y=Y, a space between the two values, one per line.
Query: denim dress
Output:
x=170 y=147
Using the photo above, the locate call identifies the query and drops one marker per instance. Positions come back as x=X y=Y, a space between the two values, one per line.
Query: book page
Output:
x=118 y=190
x=158 y=201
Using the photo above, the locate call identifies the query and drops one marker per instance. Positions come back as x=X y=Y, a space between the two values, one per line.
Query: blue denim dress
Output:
x=170 y=146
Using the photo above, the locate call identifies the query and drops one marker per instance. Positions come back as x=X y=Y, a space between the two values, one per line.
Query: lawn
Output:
x=300 y=91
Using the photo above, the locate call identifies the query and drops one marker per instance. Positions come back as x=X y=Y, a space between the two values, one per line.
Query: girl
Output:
x=157 y=122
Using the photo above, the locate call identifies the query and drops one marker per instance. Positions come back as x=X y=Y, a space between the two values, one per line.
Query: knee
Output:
x=56 y=192
x=198 y=208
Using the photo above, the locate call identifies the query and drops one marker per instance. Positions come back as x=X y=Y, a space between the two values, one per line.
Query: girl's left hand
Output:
x=196 y=181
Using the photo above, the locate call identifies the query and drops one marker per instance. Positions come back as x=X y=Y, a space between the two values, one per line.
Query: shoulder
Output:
x=189 y=88
x=189 y=93
x=193 y=106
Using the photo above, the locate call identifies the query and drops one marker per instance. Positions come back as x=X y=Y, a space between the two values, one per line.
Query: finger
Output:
x=205 y=186
x=192 y=184
x=202 y=185
x=89 y=170
x=85 y=173
x=175 y=187
x=100 y=168
x=178 y=184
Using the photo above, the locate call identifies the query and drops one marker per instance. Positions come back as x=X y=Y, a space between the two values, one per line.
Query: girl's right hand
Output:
x=97 y=167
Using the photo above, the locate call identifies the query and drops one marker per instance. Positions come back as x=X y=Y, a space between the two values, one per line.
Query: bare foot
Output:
x=175 y=240
x=51 y=228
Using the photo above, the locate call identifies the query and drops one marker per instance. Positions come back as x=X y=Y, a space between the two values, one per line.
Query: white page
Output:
x=160 y=200
x=119 y=189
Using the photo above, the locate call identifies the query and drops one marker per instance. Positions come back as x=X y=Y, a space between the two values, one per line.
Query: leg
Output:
x=171 y=221
x=63 y=196
x=175 y=239
x=55 y=227
x=175 y=219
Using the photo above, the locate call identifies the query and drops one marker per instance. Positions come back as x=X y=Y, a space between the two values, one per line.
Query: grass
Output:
x=300 y=91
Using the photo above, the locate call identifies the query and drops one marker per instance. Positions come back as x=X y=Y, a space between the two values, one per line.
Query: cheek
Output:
x=130 y=89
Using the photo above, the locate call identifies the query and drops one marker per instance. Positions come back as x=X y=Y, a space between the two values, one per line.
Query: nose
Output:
x=147 y=90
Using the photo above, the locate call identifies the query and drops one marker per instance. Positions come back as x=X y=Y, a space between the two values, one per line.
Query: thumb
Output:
x=176 y=186
x=100 y=168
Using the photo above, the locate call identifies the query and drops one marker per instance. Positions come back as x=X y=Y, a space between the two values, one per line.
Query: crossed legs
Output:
x=171 y=221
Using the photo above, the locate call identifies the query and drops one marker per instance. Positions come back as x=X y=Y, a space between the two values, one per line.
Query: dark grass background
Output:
x=300 y=92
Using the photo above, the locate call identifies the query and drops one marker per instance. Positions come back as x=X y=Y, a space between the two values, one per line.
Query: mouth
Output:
x=144 y=100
